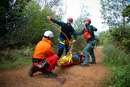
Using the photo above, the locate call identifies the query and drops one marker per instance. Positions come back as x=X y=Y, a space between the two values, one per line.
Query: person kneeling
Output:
x=44 y=59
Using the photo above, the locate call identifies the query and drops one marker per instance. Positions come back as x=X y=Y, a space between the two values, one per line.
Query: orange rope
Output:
x=81 y=44
x=55 y=25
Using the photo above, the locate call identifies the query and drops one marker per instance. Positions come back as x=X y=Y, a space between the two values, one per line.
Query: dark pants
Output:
x=61 y=47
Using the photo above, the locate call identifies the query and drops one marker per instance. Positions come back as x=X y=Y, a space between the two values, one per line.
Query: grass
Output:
x=16 y=57
x=100 y=46
x=119 y=63
x=10 y=58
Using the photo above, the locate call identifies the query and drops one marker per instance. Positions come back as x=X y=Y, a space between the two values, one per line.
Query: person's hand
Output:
x=48 y=17
x=73 y=41
x=58 y=39
x=58 y=62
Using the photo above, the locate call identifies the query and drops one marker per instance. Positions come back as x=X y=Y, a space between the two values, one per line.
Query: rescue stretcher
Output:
x=71 y=58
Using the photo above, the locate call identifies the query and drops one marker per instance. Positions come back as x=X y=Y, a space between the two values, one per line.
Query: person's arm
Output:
x=79 y=33
x=50 y=52
x=57 y=22
x=94 y=29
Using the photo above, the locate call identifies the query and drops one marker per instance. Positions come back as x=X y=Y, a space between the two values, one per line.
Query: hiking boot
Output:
x=92 y=62
x=53 y=74
x=32 y=71
x=83 y=64
x=50 y=75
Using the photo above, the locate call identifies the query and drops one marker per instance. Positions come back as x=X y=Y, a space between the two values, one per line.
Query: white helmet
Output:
x=48 y=34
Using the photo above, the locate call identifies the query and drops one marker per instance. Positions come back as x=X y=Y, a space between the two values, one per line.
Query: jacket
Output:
x=67 y=29
x=91 y=30
x=43 y=49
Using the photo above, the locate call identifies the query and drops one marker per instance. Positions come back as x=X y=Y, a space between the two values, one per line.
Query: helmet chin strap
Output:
x=85 y=26
x=46 y=37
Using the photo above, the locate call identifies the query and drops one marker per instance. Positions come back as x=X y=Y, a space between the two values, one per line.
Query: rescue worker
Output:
x=89 y=36
x=44 y=59
x=68 y=30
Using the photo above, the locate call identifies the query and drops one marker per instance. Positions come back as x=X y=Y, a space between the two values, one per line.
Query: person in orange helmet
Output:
x=44 y=59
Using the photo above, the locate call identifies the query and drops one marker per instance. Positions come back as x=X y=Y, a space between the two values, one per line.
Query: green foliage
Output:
x=111 y=12
x=30 y=23
x=10 y=19
x=113 y=56
x=120 y=76
x=106 y=38
x=126 y=13
x=4 y=6
x=119 y=63
x=16 y=57
x=37 y=23
x=122 y=36
x=117 y=36
x=118 y=60
x=10 y=13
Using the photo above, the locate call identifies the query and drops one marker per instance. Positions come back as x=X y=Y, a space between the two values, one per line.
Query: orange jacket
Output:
x=43 y=49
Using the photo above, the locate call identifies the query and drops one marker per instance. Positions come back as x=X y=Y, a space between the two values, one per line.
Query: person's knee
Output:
x=55 y=57
x=61 y=48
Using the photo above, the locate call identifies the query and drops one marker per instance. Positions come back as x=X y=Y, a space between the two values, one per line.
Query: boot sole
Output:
x=30 y=73
x=92 y=63
x=50 y=76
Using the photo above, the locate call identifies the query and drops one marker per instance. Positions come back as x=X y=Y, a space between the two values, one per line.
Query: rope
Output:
x=80 y=44
x=55 y=25
x=58 y=28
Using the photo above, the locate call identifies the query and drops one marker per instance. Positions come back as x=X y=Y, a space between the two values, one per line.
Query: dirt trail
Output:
x=76 y=75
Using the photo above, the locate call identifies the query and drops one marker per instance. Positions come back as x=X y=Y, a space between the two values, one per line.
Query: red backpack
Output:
x=87 y=35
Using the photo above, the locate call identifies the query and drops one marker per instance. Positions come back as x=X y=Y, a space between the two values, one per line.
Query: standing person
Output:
x=44 y=59
x=89 y=36
x=68 y=30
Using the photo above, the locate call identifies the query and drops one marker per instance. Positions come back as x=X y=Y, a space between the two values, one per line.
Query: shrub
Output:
x=119 y=63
